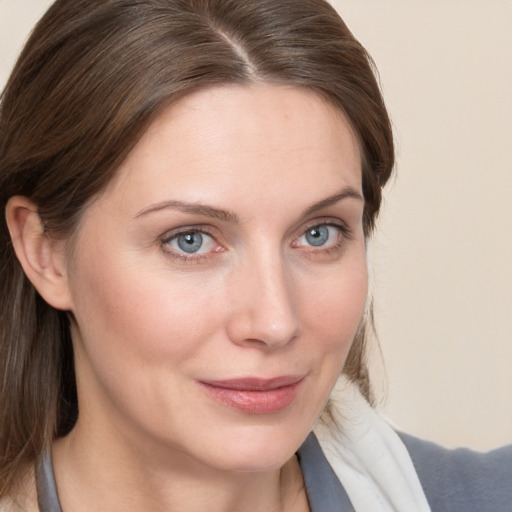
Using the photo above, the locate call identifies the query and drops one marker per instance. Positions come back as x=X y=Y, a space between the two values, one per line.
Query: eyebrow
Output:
x=228 y=216
x=199 y=209
x=347 y=192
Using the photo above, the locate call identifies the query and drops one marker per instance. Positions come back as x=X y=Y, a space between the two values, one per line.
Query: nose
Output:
x=264 y=312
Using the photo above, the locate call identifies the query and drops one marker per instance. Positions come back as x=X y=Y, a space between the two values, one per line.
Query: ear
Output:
x=41 y=256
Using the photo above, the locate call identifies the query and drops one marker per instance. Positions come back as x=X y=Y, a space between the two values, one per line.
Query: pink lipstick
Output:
x=254 y=395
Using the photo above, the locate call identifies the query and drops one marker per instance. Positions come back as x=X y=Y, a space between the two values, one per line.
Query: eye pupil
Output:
x=317 y=236
x=190 y=242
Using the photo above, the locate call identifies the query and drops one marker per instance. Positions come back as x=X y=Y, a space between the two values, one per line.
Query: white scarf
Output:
x=368 y=456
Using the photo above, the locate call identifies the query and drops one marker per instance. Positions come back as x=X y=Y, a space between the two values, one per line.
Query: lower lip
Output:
x=254 y=402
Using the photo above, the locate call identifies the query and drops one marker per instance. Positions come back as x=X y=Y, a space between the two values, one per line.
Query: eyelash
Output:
x=344 y=234
x=181 y=256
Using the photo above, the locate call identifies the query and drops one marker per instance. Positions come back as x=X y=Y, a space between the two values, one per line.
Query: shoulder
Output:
x=462 y=479
x=8 y=505
x=18 y=504
x=23 y=498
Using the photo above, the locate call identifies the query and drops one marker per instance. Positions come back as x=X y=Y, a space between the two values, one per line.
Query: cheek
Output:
x=333 y=306
x=331 y=312
x=126 y=313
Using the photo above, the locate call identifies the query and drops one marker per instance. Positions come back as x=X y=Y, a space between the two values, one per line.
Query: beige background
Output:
x=442 y=267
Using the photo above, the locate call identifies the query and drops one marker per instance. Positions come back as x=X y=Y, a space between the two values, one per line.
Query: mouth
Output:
x=254 y=395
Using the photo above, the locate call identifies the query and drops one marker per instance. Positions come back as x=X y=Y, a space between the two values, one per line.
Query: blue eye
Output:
x=191 y=242
x=320 y=236
x=317 y=236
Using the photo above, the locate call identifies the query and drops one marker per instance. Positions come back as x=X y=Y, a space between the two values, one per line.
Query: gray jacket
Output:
x=458 y=480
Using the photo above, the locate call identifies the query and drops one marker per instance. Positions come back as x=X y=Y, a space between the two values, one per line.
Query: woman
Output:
x=188 y=188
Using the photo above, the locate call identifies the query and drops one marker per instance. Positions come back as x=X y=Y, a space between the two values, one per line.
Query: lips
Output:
x=254 y=395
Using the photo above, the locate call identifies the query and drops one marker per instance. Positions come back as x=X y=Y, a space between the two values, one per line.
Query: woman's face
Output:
x=219 y=280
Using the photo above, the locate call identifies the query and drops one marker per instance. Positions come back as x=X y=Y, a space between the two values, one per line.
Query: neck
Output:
x=102 y=474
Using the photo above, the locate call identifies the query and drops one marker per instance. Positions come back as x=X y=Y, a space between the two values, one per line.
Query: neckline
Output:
x=47 y=497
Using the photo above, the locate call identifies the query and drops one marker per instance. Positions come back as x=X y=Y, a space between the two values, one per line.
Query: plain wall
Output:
x=441 y=260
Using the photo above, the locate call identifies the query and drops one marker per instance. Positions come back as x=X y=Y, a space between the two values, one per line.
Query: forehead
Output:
x=240 y=117
x=264 y=140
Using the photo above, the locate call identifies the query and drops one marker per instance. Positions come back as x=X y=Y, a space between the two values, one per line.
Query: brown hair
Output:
x=91 y=78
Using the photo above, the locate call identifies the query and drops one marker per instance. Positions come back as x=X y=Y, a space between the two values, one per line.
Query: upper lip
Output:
x=255 y=383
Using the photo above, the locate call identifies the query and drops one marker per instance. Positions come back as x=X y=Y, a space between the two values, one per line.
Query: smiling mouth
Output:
x=253 y=395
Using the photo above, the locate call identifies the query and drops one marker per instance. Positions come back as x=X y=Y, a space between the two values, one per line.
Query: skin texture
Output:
x=257 y=300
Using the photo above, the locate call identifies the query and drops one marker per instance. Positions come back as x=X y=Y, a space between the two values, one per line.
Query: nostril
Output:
x=264 y=308
x=259 y=326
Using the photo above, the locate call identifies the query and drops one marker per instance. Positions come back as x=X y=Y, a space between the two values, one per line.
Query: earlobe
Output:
x=41 y=257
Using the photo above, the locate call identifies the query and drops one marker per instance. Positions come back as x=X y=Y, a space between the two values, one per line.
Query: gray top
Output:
x=462 y=479
x=458 y=480
x=325 y=492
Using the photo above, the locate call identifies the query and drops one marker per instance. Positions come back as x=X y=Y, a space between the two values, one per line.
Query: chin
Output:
x=260 y=448
x=248 y=462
